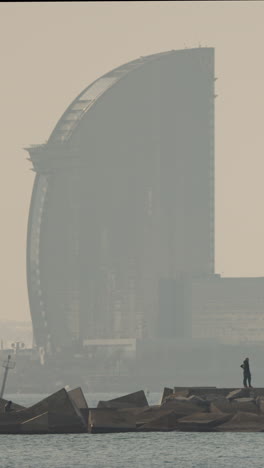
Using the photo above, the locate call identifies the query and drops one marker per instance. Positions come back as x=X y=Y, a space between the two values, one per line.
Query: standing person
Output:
x=246 y=373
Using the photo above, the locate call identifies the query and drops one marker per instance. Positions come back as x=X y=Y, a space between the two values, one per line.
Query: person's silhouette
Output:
x=246 y=373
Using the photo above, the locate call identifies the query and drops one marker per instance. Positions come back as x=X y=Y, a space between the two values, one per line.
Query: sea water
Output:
x=127 y=450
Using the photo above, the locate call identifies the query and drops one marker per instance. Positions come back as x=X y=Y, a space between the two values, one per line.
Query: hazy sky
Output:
x=51 y=51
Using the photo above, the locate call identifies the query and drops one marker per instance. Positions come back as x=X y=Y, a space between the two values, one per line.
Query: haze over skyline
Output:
x=51 y=52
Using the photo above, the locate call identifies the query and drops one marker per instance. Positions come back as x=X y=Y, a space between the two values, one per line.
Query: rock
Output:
x=136 y=400
x=240 y=393
x=166 y=392
x=102 y=420
x=202 y=421
x=243 y=422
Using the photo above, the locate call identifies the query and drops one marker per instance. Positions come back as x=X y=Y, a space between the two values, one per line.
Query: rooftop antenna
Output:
x=8 y=364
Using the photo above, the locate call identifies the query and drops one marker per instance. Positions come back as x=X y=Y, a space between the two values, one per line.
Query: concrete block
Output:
x=37 y=425
x=203 y=391
x=15 y=406
x=196 y=400
x=233 y=406
x=184 y=392
x=10 y=428
x=136 y=400
x=260 y=403
x=243 y=422
x=183 y=406
x=137 y=412
x=209 y=393
x=103 y=420
x=248 y=405
x=239 y=393
x=222 y=405
x=80 y=402
x=151 y=413
x=166 y=392
x=202 y=422
x=164 y=422
x=78 y=398
x=63 y=414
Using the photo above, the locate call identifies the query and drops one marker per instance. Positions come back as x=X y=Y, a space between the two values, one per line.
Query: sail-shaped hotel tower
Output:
x=122 y=209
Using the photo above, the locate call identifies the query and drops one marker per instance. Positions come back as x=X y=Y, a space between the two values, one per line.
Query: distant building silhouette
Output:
x=121 y=223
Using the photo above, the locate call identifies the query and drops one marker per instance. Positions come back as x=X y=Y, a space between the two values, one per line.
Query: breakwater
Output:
x=184 y=409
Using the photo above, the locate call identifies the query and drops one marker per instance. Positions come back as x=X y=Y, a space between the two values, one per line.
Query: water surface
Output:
x=143 y=450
